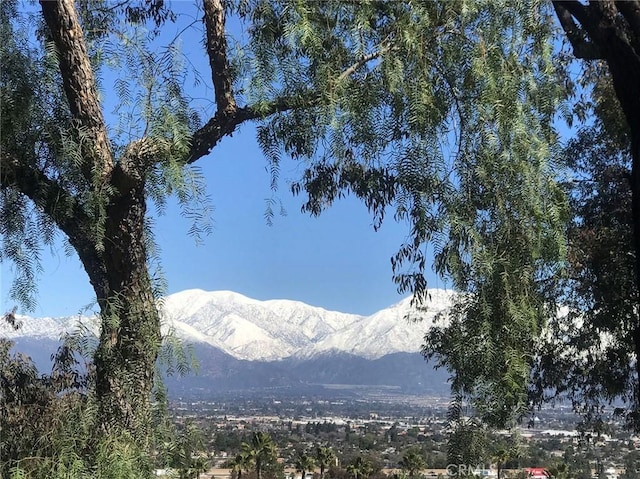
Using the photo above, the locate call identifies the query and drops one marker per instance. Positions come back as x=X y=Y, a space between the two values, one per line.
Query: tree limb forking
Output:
x=138 y=157
x=222 y=124
x=216 y=45
x=55 y=201
x=79 y=83
x=582 y=48
x=226 y=120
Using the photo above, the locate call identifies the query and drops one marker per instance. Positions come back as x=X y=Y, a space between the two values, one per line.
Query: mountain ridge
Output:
x=276 y=329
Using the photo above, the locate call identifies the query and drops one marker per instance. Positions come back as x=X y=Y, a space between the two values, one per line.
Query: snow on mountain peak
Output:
x=275 y=329
x=250 y=329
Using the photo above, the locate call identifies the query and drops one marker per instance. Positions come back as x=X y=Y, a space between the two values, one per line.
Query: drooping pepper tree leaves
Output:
x=64 y=168
x=470 y=163
x=438 y=112
x=496 y=221
x=587 y=354
x=609 y=32
x=428 y=107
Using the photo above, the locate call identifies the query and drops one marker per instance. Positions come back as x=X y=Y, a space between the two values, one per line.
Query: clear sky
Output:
x=335 y=261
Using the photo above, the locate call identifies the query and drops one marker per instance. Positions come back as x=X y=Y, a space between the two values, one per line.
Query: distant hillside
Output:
x=245 y=344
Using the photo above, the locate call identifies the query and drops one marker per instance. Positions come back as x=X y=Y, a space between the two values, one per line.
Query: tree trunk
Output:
x=635 y=208
x=613 y=30
x=130 y=336
x=115 y=259
x=610 y=31
x=624 y=65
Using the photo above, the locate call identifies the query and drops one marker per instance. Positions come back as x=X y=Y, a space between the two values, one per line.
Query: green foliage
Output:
x=304 y=463
x=24 y=229
x=466 y=436
x=412 y=462
x=439 y=113
x=155 y=122
x=325 y=458
x=360 y=468
x=586 y=355
x=261 y=451
x=442 y=113
x=186 y=452
x=48 y=422
x=242 y=462
x=120 y=456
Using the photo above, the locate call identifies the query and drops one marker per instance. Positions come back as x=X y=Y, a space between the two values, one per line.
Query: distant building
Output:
x=611 y=473
x=486 y=473
x=537 y=473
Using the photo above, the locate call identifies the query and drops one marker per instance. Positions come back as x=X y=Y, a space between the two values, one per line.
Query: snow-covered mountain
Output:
x=248 y=329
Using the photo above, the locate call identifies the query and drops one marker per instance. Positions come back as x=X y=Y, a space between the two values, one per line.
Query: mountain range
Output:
x=246 y=344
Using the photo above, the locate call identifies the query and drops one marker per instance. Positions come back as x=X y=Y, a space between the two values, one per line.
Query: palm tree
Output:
x=199 y=465
x=241 y=462
x=304 y=463
x=501 y=456
x=262 y=451
x=325 y=457
x=412 y=462
x=359 y=468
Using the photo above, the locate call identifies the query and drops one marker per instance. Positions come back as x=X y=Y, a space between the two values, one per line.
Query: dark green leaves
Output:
x=442 y=113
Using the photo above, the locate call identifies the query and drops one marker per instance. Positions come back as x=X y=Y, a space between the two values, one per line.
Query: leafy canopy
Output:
x=449 y=128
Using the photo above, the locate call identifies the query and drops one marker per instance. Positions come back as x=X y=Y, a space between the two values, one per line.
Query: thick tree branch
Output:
x=630 y=10
x=60 y=205
x=582 y=47
x=79 y=83
x=46 y=193
x=222 y=125
x=214 y=20
x=225 y=122
x=602 y=24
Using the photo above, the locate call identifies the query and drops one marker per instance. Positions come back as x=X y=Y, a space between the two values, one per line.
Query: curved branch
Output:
x=582 y=47
x=79 y=82
x=224 y=122
x=214 y=20
x=59 y=204
x=46 y=193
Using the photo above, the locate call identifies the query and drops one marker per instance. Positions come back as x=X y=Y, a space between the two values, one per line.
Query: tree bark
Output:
x=602 y=34
x=115 y=260
x=130 y=337
x=79 y=84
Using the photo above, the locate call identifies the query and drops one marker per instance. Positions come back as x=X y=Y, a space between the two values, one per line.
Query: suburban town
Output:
x=394 y=440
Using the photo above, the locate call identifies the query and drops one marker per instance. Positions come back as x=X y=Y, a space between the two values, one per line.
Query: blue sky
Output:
x=335 y=261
